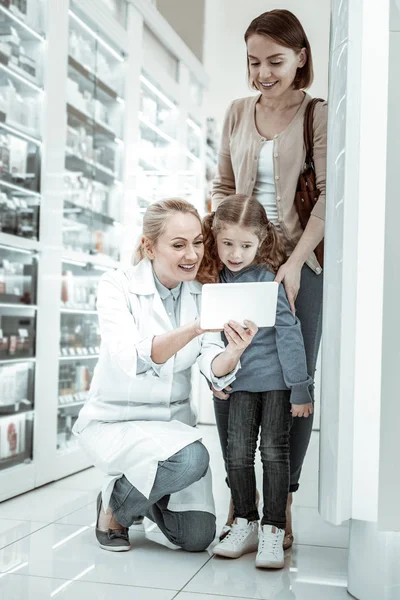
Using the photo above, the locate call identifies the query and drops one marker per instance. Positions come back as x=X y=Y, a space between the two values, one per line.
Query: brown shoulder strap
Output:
x=309 y=128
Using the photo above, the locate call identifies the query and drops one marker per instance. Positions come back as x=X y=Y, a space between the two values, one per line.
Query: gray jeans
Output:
x=309 y=312
x=193 y=531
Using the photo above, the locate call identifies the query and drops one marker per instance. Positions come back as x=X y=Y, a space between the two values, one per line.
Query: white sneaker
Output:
x=242 y=538
x=270 y=553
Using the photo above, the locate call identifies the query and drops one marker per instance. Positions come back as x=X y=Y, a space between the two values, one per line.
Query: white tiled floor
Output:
x=48 y=550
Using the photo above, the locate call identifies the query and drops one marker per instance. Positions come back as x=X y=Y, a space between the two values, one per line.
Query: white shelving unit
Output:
x=112 y=120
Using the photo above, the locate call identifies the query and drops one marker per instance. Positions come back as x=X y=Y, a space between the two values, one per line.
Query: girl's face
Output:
x=272 y=67
x=237 y=247
x=179 y=250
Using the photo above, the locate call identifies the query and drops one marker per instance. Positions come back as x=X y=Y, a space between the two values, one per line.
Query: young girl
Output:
x=271 y=387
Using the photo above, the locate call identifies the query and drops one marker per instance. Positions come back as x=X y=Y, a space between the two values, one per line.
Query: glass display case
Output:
x=18 y=276
x=158 y=147
x=21 y=100
x=79 y=343
x=18 y=273
x=94 y=153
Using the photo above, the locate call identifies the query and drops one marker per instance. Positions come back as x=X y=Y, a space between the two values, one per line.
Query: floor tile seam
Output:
x=5 y=518
x=296 y=545
x=23 y=537
x=142 y=587
x=193 y=576
x=45 y=524
x=215 y=594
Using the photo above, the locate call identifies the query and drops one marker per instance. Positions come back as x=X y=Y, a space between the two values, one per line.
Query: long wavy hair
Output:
x=248 y=213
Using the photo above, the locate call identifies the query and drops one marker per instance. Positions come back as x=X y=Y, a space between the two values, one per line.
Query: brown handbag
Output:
x=307 y=192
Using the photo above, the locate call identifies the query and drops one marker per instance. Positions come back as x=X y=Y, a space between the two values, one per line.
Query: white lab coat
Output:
x=129 y=423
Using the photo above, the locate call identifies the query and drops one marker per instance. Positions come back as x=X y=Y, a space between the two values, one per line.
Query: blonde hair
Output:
x=155 y=218
x=248 y=213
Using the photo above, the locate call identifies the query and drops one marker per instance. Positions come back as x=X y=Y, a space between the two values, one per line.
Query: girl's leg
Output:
x=243 y=428
x=309 y=311
x=274 y=447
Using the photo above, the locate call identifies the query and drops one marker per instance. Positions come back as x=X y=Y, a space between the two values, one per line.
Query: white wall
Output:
x=224 y=55
x=187 y=18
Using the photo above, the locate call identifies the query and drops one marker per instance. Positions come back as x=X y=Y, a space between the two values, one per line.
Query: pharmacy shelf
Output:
x=93 y=80
x=25 y=80
x=89 y=168
x=80 y=357
x=147 y=125
x=17 y=408
x=18 y=189
x=24 y=30
x=13 y=361
x=78 y=311
x=100 y=261
x=15 y=306
x=15 y=242
x=87 y=212
x=91 y=124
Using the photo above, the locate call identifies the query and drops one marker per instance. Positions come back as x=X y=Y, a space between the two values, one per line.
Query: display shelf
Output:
x=96 y=127
x=117 y=132
x=20 y=131
x=89 y=168
x=93 y=80
x=16 y=408
x=12 y=361
x=17 y=307
x=149 y=166
x=25 y=31
x=21 y=79
x=72 y=400
x=18 y=189
x=79 y=358
x=98 y=260
x=78 y=311
x=148 y=126
x=21 y=243
x=90 y=214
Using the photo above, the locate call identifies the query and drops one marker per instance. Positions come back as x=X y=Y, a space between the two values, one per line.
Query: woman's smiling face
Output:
x=272 y=67
x=178 y=252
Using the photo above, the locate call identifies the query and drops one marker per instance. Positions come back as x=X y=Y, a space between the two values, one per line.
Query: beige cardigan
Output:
x=238 y=160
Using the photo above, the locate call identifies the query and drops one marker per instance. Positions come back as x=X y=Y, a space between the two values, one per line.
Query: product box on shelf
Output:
x=16 y=387
x=17 y=337
x=12 y=436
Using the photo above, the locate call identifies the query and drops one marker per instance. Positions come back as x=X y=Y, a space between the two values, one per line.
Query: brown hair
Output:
x=155 y=218
x=285 y=29
x=246 y=212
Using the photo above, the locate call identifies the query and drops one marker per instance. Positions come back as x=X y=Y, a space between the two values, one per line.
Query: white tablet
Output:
x=222 y=302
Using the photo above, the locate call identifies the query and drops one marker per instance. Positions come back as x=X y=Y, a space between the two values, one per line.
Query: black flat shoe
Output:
x=114 y=540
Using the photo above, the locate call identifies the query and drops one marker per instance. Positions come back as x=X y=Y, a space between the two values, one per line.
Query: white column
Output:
x=359 y=434
x=51 y=216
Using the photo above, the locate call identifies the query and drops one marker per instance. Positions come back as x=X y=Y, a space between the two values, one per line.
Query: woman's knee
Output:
x=197 y=531
x=197 y=460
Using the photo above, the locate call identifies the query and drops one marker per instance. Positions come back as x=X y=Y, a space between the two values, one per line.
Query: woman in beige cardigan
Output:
x=262 y=154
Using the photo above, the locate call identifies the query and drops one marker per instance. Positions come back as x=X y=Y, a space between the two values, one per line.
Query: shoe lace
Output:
x=118 y=534
x=269 y=543
x=236 y=534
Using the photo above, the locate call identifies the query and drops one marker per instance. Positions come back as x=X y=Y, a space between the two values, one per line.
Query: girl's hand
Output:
x=238 y=337
x=302 y=410
x=290 y=274
x=221 y=394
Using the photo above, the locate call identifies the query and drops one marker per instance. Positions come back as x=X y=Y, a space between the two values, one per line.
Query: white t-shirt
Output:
x=264 y=189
